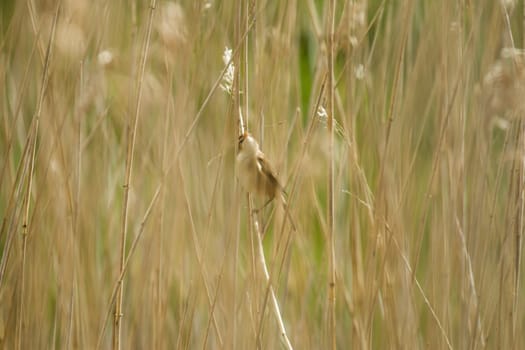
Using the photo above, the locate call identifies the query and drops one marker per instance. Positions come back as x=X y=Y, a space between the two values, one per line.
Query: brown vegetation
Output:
x=396 y=128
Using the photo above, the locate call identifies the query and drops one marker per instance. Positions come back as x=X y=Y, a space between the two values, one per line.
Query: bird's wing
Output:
x=267 y=169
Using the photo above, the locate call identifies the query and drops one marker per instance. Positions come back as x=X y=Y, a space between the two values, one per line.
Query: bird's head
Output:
x=247 y=143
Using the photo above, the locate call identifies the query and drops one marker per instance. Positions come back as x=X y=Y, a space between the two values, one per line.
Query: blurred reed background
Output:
x=117 y=153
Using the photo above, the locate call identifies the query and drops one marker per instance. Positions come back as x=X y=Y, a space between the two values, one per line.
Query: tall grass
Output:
x=117 y=153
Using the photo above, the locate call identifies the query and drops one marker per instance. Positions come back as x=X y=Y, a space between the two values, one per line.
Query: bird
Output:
x=256 y=174
x=254 y=171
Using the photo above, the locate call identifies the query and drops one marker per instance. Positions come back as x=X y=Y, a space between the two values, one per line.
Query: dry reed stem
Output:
x=216 y=294
x=237 y=112
x=391 y=109
x=264 y=268
x=252 y=220
x=516 y=195
x=213 y=202
x=332 y=327
x=122 y=273
x=472 y=284
x=519 y=221
x=425 y=298
x=293 y=178
x=199 y=113
x=314 y=16
x=11 y=210
x=198 y=254
x=305 y=143
x=315 y=20
x=473 y=175
x=132 y=134
x=512 y=206
x=36 y=30
x=33 y=148
x=20 y=99
x=437 y=156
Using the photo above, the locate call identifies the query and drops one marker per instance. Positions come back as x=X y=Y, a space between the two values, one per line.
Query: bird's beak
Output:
x=243 y=136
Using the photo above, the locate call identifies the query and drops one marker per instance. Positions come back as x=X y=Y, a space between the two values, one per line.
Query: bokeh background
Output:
x=116 y=137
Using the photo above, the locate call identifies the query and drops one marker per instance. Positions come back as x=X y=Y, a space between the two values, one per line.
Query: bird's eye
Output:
x=241 y=139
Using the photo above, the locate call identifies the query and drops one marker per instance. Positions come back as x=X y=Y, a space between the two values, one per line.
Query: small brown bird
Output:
x=256 y=174
x=254 y=170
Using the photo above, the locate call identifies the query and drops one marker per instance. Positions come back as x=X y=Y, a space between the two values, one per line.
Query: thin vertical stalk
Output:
x=9 y=132
x=238 y=113
x=245 y=60
x=199 y=255
x=132 y=133
x=518 y=225
x=32 y=161
x=253 y=222
x=331 y=218
x=519 y=196
x=118 y=282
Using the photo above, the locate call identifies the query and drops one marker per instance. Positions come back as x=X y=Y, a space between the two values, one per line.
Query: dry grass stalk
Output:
x=332 y=326
x=421 y=219
x=131 y=139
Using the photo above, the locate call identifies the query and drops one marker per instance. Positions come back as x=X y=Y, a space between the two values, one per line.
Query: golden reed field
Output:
x=136 y=210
